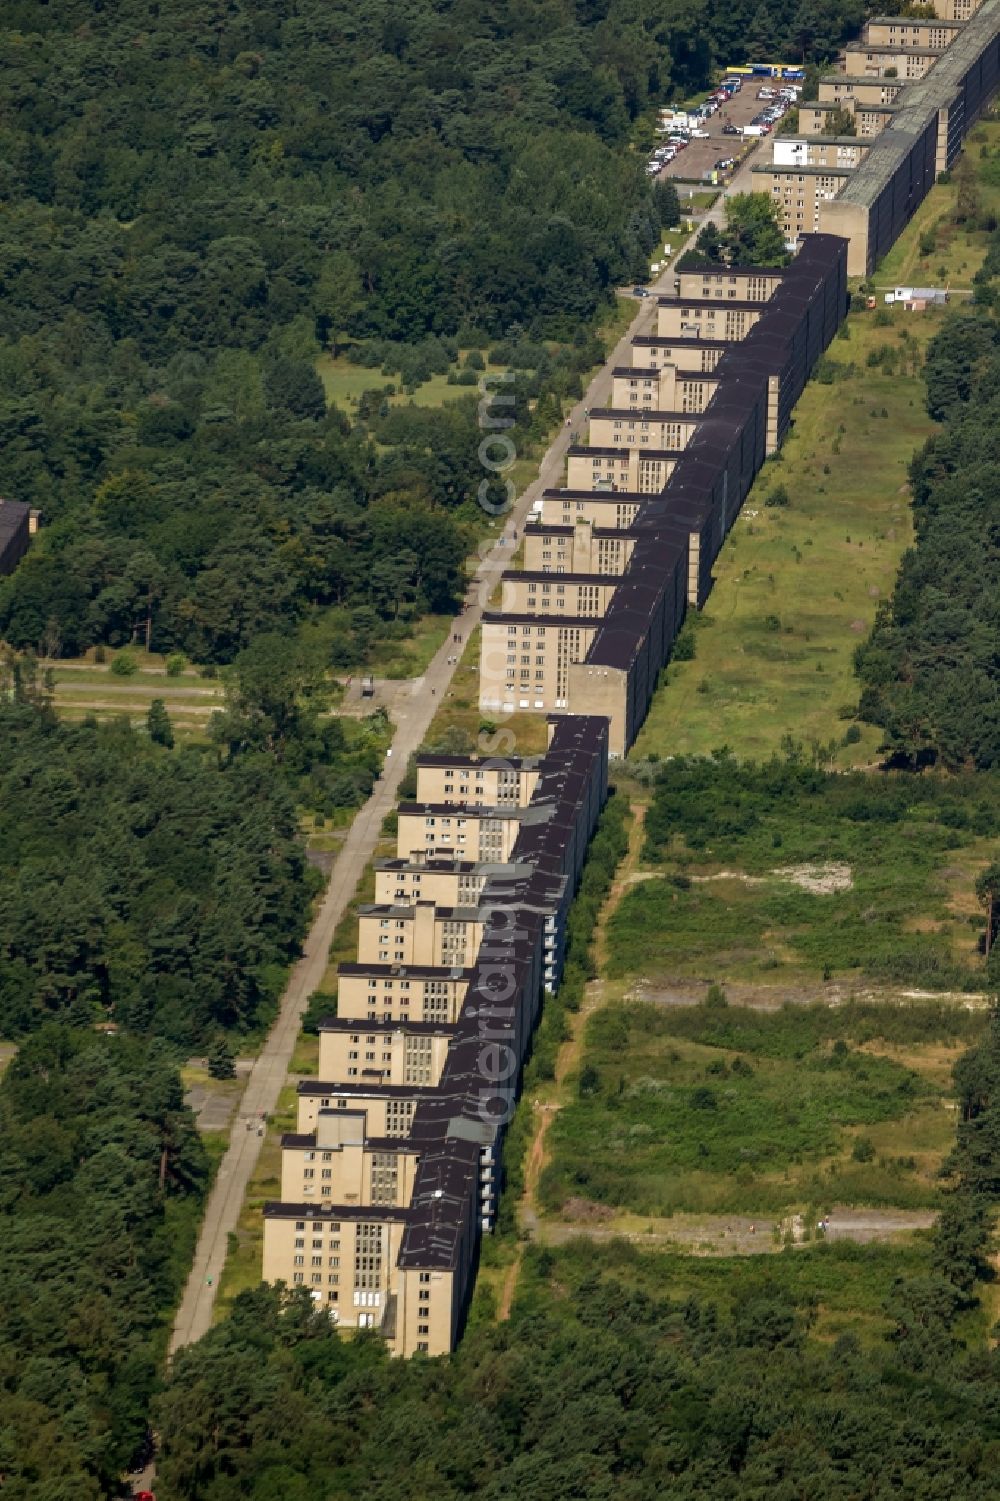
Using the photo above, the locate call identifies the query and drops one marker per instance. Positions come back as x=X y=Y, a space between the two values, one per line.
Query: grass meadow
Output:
x=936 y=250
x=720 y=1109
x=797 y=586
x=783 y=874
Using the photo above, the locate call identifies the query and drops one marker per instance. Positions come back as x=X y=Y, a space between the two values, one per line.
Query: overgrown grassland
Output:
x=836 y=1287
x=344 y=383
x=85 y=687
x=783 y=874
x=797 y=586
x=726 y=1110
x=936 y=250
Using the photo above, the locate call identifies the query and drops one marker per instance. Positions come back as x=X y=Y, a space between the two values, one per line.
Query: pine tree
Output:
x=161 y=731
x=221 y=1061
x=667 y=203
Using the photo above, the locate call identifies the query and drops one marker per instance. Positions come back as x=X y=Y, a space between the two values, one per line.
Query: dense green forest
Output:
x=101 y=1178
x=601 y=1386
x=201 y=198
x=162 y=890
x=931 y=668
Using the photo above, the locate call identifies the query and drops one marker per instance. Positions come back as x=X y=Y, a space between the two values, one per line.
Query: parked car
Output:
x=730 y=130
x=701 y=135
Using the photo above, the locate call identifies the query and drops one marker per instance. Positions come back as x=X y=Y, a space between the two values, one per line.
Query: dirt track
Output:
x=685 y=992
x=735 y=1235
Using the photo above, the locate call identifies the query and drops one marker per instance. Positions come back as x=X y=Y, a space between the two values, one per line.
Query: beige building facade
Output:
x=577 y=547
x=420 y=933
x=337 y=1162
x=387 y=1109
x=955 y=10
x=469 y=781
x=799 y=194
x=869 y=119
x=908 y=31
x=600 y=508
x=818 y=151
x=430 y=828
x=837 y=88
x=705 y=318
x=866 y=60
x=400 y=992
x=446 y=883
x=697 y=355
x=383 y=1052
x=343 y=1254
x=550 y=593
x=525 y=661
x=641 y=470
x=731 y=283
x=625 y=427
x=664 y=388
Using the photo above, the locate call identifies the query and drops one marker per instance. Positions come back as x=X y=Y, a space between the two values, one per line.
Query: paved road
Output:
x=413 y=709
x=742 y=181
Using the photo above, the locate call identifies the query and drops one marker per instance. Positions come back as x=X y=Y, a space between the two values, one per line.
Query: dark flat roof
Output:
x=567 y=528
x=612 y=495
x=712 y=302
x=579 y=450
x=494 y=617
x=433 y=866
x=646 y=414
x=719 y=270
x=480 y=763
x=306 y=1140
x=464 y=810
x=275 y=1209
x=389 y=1091
x=648 y=372
x=357 y=1024
x=657 y=341
x=13 y=515
x=538 y=575
x=405 y=971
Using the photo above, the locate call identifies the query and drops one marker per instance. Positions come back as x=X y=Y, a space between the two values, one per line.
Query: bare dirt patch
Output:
x=583 y=1211
x=686 y=992
x=821 y=880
